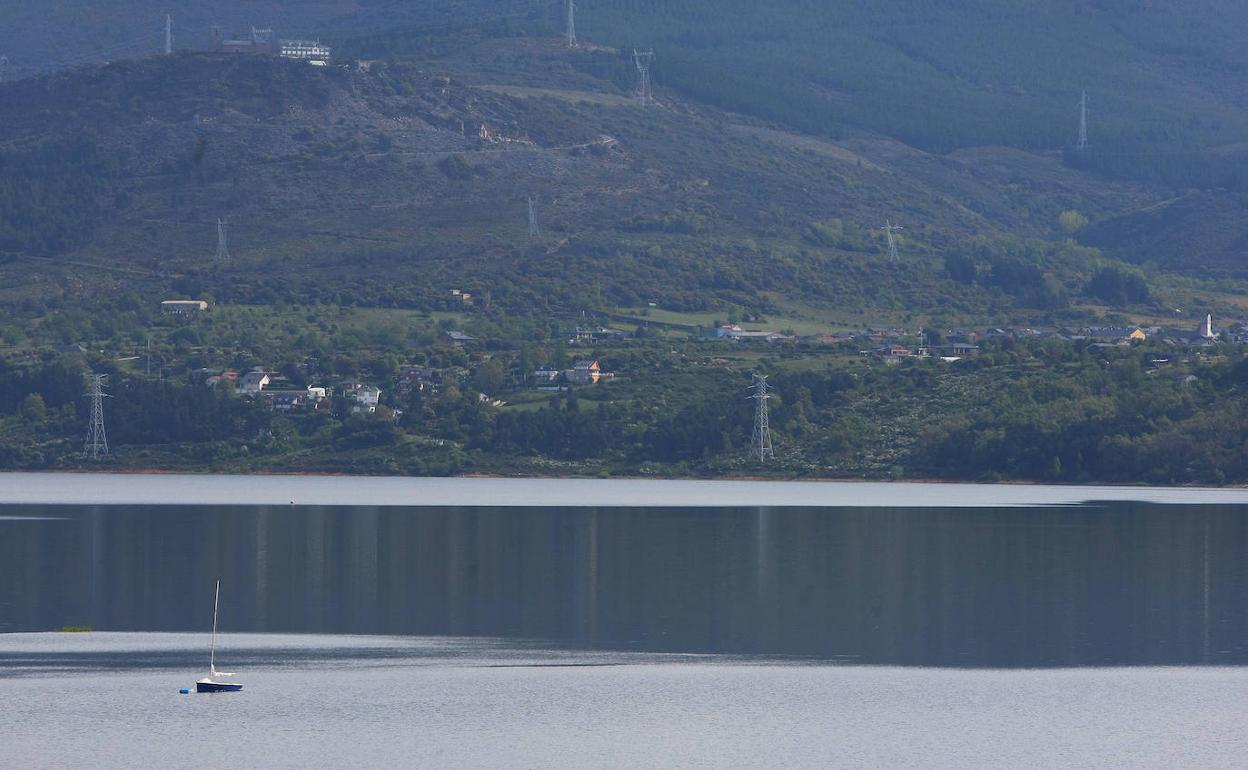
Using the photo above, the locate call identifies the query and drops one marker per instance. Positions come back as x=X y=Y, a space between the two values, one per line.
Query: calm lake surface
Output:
x=111 y=700
x=690 y=631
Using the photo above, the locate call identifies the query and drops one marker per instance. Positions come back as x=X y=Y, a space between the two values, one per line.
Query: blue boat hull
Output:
x=216 y=687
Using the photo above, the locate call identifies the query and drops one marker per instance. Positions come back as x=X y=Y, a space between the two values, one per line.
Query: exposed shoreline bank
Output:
x=161 y=488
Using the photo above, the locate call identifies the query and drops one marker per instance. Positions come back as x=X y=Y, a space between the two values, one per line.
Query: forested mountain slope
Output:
x=392 y=185
x=1165 y=81
x=935 y=74
x=785 y=135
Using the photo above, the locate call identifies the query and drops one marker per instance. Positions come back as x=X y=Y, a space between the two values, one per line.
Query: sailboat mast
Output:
x=212 y=650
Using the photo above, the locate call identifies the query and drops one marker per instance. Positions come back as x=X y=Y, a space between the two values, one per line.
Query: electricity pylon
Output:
x=1082 y=143
x=760 y=442
x=889 y=228
x=97 y=441
x=533 y=229
x=223 y=246
x=643 y=60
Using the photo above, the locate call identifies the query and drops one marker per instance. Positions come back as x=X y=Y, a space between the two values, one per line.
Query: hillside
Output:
x=1202 y=234
x=937 y=75
x=362 y=202
x=1165 y=80
x=391 y=186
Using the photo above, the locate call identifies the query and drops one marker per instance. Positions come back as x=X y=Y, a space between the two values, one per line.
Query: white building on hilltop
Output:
x=309 y=50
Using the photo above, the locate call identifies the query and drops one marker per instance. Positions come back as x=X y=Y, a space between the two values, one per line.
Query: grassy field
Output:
x=799 y=325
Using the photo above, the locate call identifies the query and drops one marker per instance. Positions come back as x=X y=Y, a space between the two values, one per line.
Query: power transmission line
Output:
x=643 y=59
x=97 y=442
x=889 y=228
x=223 y=247
x=570 y=27
x=760 y=442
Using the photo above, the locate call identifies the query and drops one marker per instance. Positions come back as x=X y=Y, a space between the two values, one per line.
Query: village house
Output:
x=252 y=383
x=585 y=372
x=956 y=350
x=737 y=334
x=364 y=399
x=298 y=401
x=1117 y=335
x=586 y=335
x=456 y=338
x=183 y=307
x=229 y=378
x=893 y=354
x=416 y=379
x=285 y=402
x=544 y=376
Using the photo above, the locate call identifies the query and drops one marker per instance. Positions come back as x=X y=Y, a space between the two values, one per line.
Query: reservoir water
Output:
x=882 y=626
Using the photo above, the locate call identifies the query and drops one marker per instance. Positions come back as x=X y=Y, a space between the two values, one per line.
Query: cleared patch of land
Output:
x=794 y=141
x=591 y=97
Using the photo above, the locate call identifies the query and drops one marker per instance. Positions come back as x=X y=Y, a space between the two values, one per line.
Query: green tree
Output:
x=961 y=268
x=1071 y=222
x=32 y=409
x=489 y=377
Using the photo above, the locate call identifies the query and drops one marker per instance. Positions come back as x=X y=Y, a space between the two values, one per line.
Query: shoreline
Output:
x=177 y=488
x=655 y=477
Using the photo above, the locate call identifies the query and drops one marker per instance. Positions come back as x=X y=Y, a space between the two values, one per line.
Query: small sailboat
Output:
x=216 y=680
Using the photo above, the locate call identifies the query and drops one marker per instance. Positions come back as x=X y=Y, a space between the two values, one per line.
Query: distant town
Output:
x=891 y=346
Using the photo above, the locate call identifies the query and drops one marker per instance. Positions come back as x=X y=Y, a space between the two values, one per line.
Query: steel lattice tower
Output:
x=760 y=442
x=643 y=60
x=97 y=441
x=571 y=23
x=168 y=34
x=889 y=228
x=533 y=229
x=223 y=246
x=1082 y=143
